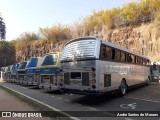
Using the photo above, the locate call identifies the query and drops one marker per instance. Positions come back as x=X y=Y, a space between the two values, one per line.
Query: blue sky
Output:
x=28 y=15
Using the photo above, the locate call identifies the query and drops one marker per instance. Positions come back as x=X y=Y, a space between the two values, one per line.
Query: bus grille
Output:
x=85 y=79
x=66 y=79
x=107 y=80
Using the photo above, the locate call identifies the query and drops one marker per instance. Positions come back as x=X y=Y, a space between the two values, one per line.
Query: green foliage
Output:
x=7 y=53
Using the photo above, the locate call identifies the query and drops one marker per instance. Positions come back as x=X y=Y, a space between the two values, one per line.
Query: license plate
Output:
x=75 y=82
x=75 y=75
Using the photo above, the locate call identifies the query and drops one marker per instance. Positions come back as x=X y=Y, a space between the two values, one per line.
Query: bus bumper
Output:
x=83 y=92
x=51 y=87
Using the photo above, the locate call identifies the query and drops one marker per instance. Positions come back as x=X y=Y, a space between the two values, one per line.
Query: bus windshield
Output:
x=49 y=60
x=32 y=62
x=13 y=67
x=79 y=49
x=22 y=65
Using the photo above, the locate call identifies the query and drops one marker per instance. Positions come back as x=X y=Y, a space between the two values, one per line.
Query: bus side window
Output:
x=135 y=59
x=113 y=54
x=102 y=52
x=132 y=57
x=138 y=60
x=108 y=53
x=144 y=61
x=123 y=57
x=129 y=59
x=141 y=62
x=118 y=55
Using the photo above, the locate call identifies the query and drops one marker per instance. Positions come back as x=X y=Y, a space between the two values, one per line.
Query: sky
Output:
x=29 y=15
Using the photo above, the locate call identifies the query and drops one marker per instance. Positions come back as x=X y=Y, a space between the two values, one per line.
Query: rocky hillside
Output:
x=142 y=39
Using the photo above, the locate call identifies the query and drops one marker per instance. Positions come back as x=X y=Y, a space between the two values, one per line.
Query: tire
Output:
x=148 y=81
x=122 y=88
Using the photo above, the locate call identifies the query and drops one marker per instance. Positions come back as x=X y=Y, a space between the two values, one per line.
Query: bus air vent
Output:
x=85 y=79
x=107 y=80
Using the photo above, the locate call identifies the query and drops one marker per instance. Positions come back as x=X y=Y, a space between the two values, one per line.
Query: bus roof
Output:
x=52 y=53
x=107 y=43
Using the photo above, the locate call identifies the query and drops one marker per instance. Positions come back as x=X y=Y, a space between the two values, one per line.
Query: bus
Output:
x=21 y=72
x=8 y=74
x=2 y=73
x=14 y=69
x=32 y=71
x=93 y=66
x=49 y=71
x=155 y=70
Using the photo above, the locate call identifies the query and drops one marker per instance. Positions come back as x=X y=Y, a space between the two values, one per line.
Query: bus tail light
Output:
x=93 y=69
x=55 y=76
x=93 y=81
x=93 y=86
x=93 y=74
x=61 y=79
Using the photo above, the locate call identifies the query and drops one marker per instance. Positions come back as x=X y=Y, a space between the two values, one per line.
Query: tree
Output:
x=55 y=33
x=2 y=29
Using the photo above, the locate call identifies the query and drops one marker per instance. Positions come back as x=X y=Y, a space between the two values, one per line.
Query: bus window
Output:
x=108 y=53
x=129 y=58
x=132 y=57
x=123 y=56
x=138 y=60
x=144 y=61
x=135 y=59
x=113 y=54
x=141 y=62
x=102 y=52
x=118 y=55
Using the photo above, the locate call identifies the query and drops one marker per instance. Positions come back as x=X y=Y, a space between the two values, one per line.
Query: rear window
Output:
x=32 y=62
x=79 y=49
x=49 y=60
x=22 y=65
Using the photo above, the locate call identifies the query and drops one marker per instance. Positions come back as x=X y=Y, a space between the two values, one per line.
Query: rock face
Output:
x=143 y=39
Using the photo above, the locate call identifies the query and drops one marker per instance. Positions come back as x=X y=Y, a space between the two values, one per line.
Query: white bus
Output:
x=93 y=66
x=155 y=70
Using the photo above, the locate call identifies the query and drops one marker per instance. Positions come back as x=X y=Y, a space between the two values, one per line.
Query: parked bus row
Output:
x=87 y=65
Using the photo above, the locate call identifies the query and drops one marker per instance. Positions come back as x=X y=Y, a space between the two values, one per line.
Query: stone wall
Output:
x=143 y=39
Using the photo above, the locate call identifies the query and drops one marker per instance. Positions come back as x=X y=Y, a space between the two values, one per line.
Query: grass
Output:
x=46 y=111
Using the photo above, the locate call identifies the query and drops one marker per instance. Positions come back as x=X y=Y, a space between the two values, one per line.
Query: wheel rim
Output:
x=123 y=88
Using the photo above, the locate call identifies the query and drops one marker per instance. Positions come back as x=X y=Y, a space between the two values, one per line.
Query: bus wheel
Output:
x=122 y=88
x=148 y=81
